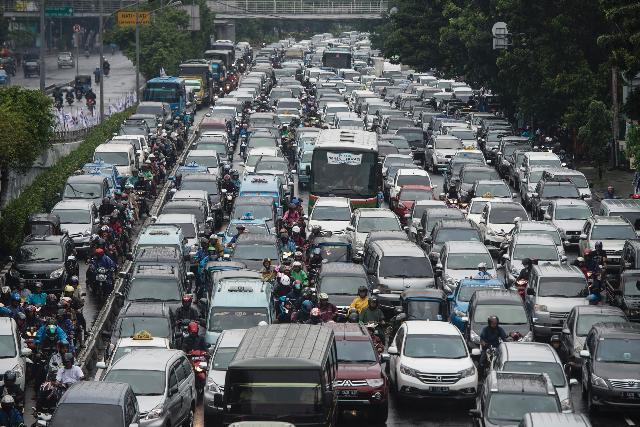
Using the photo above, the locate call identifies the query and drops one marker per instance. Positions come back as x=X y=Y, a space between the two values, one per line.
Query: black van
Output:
x=282 y=372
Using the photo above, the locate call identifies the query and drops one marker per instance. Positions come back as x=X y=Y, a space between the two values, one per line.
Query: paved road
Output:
x=120 y=82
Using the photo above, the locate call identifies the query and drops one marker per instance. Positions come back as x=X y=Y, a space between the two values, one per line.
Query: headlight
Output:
x=459 y=313
x=475 y=338
x=540 y=307
x=18 y=370
x=155 y=412
x=597 y=381
x=566 y=405
x=55 y=274
x=376 y=382
x=528 y=337
x=467 y=372
x=515 y=271
x=408 y=371
x=212 y=386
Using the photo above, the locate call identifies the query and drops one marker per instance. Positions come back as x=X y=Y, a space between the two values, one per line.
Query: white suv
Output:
x=430 y=359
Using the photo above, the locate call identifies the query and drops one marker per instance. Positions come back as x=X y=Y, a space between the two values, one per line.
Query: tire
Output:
x=189 y=421
x=591 y=408
x=378 y=414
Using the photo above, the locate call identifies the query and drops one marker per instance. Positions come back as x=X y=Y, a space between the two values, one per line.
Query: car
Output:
x=14 y=354
x=42 y=259
x=255 y=154
x=431 y=216
x=155 y=283
x=578 y=324
x=532 y=246
x=537 y=228
x=532 y=159
x=366 y=220
x=458 y=161
x=222 y=353
x=251 y=249
x=303 y=167
x=506 y=397
x=459 y=299
x=626 y=208
x=406 y=197
x=209 y=183
x=411 y=176
x=330 y=214
x=258 y=207
x=251 y=226
x=477 y=204
x=490 y=188
x=197 y=206
x=552 y=291
x=189 y=226
x=625 y=294
x=545 y=419
x=163 y=382
x=79 y=219
x=529 y=184
x=460 y=259
x=92 y=188
x=449 y=230
x=340 y=281
x=610 y=366
x=505 y=158
x=503 y=303
x=361 y=382
x=569 y=216
x=263 y=185
x=549 y=190
x=469 y=175
x=161 y=236
x=276 y=166
x=465 y=135
x=536 y=358
x=126 y=345
x=440 y=150
x=65 y=59
x=612 y=231
x=417 y=210
x=497 y=220
x=97 y=403
x=431 y=360
x=398 y=141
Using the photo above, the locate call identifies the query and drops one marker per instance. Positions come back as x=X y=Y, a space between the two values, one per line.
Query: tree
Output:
x=26 y=130
x=633 y=144
x=595 y=133
x=632 y=105
x=622 y=38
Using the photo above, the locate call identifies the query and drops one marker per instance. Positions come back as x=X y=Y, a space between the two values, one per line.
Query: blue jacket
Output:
x=105 y=262
x=11 y=419
x=62 y=335
x=37 y=299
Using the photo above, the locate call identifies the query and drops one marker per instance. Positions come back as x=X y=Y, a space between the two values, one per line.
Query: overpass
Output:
x=299 y=9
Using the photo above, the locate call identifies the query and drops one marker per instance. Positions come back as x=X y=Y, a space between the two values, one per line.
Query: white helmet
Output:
x=295 y=229
x=482 y=265
x=262 y=323
x=297 y=264
x=7 y=400
x=285 y=280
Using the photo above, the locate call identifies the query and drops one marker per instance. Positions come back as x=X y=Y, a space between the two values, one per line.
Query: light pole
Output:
x=43 y=39
x=101 y=47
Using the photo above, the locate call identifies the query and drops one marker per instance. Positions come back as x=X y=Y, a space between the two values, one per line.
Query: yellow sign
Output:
x=129 y=18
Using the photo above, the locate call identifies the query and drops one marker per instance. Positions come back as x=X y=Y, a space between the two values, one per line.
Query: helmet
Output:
x=15 y=297
x=10 y=376
x=598 y=245
x=266 y=260
x=353 y=315
x=297 y=264
x=285 y=281
x=315 y=312
x=297 y=254
x=30 y=308
x=51 y=331
x=99 y=251
x=193 y=328
x=105 y=228
x=292 y=206
x=67 y=358
x=373 y=299
x=295 y=229
x=52 y=299
x=74 y=281
x=187 y=298
x=68 y=289
x=105 y=200
x=323 y=296
x=21 y=316
x=482 y=265
x=580 y=259
x=587 y=252
x=526 y=262
x=363 y=288
x=7 y=400
x=262 y=323
x=61 y=312
x=555 y=338
x=491 y=318
x=307 y=305
x=227 y=177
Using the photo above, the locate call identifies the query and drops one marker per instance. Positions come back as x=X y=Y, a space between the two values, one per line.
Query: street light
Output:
x=101 y=30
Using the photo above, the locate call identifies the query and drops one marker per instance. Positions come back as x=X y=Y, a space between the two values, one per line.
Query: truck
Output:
x=199 y=69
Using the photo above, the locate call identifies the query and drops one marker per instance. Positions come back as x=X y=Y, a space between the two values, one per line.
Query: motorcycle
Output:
x=42 y=419
x=71 y=266
x=377 y=335
x=199 y=361
x=284 y=309
x=91 y=105
x=102 y=283
x=227 y=201
x=58 y=103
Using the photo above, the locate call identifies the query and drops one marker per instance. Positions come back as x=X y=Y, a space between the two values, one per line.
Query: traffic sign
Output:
x=129 y=18
x=58 y=11
x=76 y=28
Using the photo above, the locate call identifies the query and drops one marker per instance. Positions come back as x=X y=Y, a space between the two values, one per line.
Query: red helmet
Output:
x=99 y=251
x=193 y=328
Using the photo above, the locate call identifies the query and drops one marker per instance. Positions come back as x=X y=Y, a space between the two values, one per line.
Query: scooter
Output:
x=199 y=361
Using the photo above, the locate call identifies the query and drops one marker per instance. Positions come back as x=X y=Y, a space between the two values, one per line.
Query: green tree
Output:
x=26 y=130
x=632 y=105
x=595 y=133
x=622 y=35
x=633 y=144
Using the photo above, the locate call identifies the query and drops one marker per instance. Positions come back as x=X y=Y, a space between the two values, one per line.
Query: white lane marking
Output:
x=629 y=421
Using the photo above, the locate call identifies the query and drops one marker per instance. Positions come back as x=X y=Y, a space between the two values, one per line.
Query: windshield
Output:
x=82 y=191
x=435 y=346
x=343 y=173
x=87 y=414
x=156 y=326
x=223 y=357
x=462 y=133
x=257 y=211
x=161 y=92
x=535 y=176
x=400 y=143
x=406 y=195
x=120 y=158
x=568 y=287
x=206 y=161
x=572 y=212
x=389 y=161
x=143 y=382
x=35 y=253
x=342 y=285
x=355 y=352
x=223 y=318
x=350 y=124
x=613 y=232
x=539 y=252
x=554 y=370
x=466 y=292
x=413 y=137
x=618 y=350
x=273 y=393
x=330 y=213
x=468 y=261
x=177 y=209
x=550 y=163
x=496 y=190
x=7 y=346
x=251 y=251
x=192 y=184
x=262 y=122
x=73 y=216
x=423 y=310
x=278 y=166
x=448 y=144
x=369 y=224
x=397 y=266
x=469 y=177
x=413 y=180
x=335 y=253
x=477 y=206
x=154 y=290
x=560 y=191
x=586 y=321
x=188 y=229
x=512 y=407
x=509 y=314
x=457 y=235
x=502 y=215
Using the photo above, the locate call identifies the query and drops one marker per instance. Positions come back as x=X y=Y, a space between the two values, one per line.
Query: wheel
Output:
x=379 y=414
x=189 y=421
x=591 y=408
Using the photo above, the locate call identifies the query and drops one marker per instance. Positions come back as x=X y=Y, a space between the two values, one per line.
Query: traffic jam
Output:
x=304 y=233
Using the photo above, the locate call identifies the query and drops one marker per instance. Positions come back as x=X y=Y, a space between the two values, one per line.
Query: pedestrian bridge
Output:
x=299 y=9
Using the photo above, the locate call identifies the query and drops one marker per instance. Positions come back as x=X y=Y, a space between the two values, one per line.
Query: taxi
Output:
x=263 y=185
x=141 y=339
x=252 y=226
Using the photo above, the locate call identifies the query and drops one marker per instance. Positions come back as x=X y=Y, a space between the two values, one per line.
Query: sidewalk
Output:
x=622 y=181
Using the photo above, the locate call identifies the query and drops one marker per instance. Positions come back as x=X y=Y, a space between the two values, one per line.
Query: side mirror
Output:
x=547 y=217
x=209 y=219
x=393 y=350
x=122 y=274
x=430 y=146
x=566 y=331
x=218 y=400
x=531 y=292
x=25 y=352
x=474 y=413
x=385 y=357
x=563 y=259
x=401 y=317
x=534 y=195
x=585 y=354
x=483 y=221
x=350 y=228
x=464 y=319
x=573 y=382
x=476 y=352
x=505 y=257
x=427 y=240
x=101 y=365
x=514 y=195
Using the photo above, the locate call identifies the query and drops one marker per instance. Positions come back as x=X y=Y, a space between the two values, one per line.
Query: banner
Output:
x=349 y=159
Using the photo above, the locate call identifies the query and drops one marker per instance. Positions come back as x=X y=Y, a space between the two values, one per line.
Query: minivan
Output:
x=120 y=155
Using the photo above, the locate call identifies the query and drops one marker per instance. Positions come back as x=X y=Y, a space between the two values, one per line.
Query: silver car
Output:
x=569 y=216
x=163 y=382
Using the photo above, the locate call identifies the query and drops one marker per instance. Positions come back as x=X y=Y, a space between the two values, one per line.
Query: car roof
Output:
x=231 y=338
x=333 y=201
x=465 y=247
x=176 y=218
x=534 y=239
x=455 y=223
x=528 y=351
x=411 y=171
x=622 y=204
x=506 y=203
x=249 y=238
x=342 y=269
x=96 y=392
x=152 y=359
x=145 y=309
x=609 y=220
x=425 y=327
x=618 y=329
x=558 y=270
x=73 y=204
x=349 y=331
x=498 y=296
x=400 y=248
x=375 y=213
x=86 y=178
x=605 y=310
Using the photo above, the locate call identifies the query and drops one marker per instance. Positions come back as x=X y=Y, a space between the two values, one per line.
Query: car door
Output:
x=187 y=385
x=566 y=339
x=174 y=398
x=394 y=359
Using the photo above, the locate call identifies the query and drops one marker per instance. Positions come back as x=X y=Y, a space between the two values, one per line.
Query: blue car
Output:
x=253 y=226
x=107 y=170
x=263 y=185
x=191 y=168
x=459 y=299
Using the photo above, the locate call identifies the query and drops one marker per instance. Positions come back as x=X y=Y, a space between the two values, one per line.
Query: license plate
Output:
x=631 y=395
x=348 y=393
x=439 y=389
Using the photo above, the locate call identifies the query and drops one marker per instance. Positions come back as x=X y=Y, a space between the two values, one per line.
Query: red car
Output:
x=407 y=196
x=361 y=383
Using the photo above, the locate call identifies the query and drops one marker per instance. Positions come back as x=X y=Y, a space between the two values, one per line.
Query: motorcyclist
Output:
x=328 y=311
x=37 y=297
x=599 y=254
x=596 y=287
x=372 y=313
x=106 y=207
x=304 y=313
x=527 y=266
x=235 y=178
x=298 y=238
x=33 y=321
x=193 y=341
x=315 y=261
x=69 y=373
x=610 y=193
x=361 y=301
x=292 y=215
x=490 y=336
x=48 y=335
x=15 y=307
x=11 y=388
x=353 y=316
x=63 y=322
x=57 y=95
x=103 y=260
x=55 y=362
x=186 y=311
x=297 y=273
x=228 y=184
x=482 y=272
x=314 y=317
x=268 y=273
x=10 y=416
x=283 y=286
x=90 y=95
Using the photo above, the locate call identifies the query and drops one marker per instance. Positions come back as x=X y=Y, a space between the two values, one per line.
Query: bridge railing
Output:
x=298 y=7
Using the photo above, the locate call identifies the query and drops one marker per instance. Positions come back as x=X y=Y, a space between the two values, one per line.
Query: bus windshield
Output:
x=161 y=92
x=342 y=173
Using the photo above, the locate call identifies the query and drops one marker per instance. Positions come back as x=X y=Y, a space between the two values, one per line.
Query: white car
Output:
x=431 y=359
x=331 y=214
x=255 y=154
x=497 y=220
x=140 y=340
x=409 y=177
x=569 y=216
x=14 y=354
x=476 y=207
x=366 y=220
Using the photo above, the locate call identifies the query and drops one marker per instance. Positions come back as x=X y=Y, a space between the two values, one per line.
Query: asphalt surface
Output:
x=423 y=413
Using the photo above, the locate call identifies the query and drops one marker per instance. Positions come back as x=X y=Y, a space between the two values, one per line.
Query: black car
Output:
x=340 y=281
x=31 y=66
x=42 y=259
x=209 y=183
x=165 y=255
x=627 y=294
x=251 y=249
x=611 y=366
x=550 y=190
x=449 y=230
x=259 y=207
x=155 y=283
x=468 y=177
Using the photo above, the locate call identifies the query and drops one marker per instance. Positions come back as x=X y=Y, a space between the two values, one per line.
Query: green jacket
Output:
x=300 y=275
x=368 y=315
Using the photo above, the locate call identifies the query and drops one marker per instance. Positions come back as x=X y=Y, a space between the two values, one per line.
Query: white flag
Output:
x=162 y=72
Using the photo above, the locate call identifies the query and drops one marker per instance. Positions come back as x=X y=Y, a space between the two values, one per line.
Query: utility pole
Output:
x=101 y=47
x=616 y=111
x=138 y=51
x=43 y=40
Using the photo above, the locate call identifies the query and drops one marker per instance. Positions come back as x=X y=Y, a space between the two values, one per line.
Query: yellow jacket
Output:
x=360 y=303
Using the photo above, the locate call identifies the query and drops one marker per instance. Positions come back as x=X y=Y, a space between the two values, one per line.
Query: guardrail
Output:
x=103 y=322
